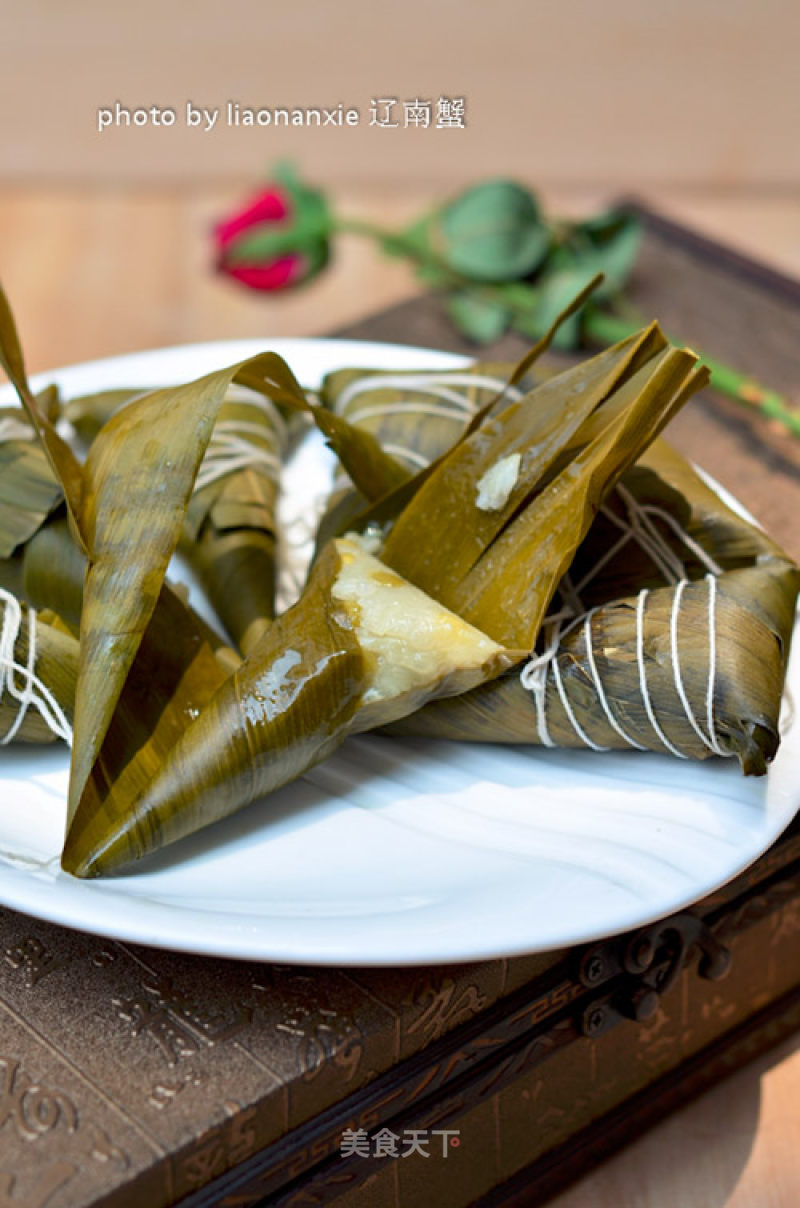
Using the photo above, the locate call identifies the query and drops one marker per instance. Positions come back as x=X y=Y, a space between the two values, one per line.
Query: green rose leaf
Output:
x=608 y=243
x=480 y=320
x=493 y=232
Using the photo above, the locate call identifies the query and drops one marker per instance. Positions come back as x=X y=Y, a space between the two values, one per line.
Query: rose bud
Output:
x=279 y=238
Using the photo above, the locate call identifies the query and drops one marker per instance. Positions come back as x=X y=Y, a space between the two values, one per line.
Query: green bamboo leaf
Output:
x=139 y=477
x=374 y=472
x=538 y=427
x=315 y=677
x=88 y=412
x=29 y=492
x=230 y=532
x=63 y=461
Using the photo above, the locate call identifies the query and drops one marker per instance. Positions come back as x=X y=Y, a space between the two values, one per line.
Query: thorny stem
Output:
x=599 y=326
x=604 y=328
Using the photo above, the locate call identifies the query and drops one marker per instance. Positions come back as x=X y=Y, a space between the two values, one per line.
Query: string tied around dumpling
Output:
x=12 y=428
x=19 y=682
x=442 y=399
x=439 y=400
x=638 y=526
x=235 y=443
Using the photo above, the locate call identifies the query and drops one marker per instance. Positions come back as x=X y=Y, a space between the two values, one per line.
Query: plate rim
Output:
x=239 y=944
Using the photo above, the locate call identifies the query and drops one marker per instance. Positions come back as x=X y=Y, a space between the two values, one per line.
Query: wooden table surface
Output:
x=95 y=273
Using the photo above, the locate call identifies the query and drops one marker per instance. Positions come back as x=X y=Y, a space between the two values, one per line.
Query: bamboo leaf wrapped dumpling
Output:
x=158 y=439
x=412 y=418
x=670 y=632
x=229 y=533
x=38 y=675
x=29 y=491
x=155 y=663
x=318 y=673
x=417 y=415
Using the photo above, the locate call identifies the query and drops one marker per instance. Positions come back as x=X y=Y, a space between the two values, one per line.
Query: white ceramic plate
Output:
x=402 y=852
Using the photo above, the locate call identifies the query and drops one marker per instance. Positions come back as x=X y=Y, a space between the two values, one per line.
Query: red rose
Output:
x=278 y=238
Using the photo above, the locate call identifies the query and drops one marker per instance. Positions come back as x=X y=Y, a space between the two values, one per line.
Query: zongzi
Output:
x=229 y=533
x=38 y=674
x=670 y=632
x=322 y=671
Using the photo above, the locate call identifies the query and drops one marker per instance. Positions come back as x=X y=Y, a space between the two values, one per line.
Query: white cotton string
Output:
x=414 y=458
x=640 y=605
x=451 y=405
x=638 y=527
x=708 y=739
x=577 y=727
x=231 y=449
x=243 y=396
x=640 y=516
x=712 y=664
x=413 y=407
x=598 y=684
x=533 y=676
x=702 y=555
x=12 y=428
x=633 y=531
x=31 y=693
x=673 y=639
x=410 y=456
x=436 y=384
x=647 y=536
x=570 y=596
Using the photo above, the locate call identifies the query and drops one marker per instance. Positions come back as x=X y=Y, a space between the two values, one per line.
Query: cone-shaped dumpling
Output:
x=364 y=646
x=358 y=649
x=229 y=532
x=670 y=632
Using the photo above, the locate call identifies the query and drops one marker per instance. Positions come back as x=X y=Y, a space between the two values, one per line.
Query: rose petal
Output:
x=269 y=206
x=287 y=270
